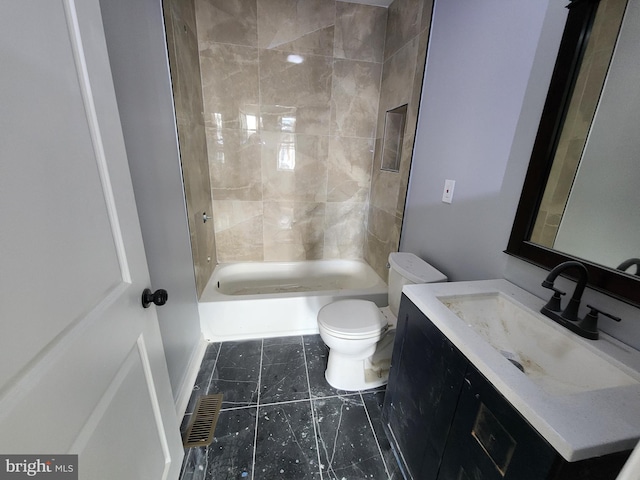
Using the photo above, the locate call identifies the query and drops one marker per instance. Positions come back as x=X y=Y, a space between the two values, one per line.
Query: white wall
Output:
x=486 y=80
x=138 y=56
x=480 y=94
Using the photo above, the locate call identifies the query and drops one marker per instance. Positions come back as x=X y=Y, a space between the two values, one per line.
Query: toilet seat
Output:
x=352 y=319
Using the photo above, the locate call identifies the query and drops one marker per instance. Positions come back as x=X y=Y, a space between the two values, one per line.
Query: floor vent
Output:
x=203 y=421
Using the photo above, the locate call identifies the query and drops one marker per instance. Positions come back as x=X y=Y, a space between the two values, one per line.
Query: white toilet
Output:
x=360 y=335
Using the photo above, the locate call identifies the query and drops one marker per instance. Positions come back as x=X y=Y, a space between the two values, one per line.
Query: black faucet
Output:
x=571 y=312
x=586 y=327
x=627 y=263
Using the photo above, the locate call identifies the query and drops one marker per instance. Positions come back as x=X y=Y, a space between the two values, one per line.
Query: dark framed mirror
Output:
x=560 y=157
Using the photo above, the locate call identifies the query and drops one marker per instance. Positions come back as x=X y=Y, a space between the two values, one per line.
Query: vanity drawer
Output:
x=489 y=439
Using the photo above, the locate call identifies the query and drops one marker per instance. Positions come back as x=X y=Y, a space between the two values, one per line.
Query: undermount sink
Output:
x=555 y=360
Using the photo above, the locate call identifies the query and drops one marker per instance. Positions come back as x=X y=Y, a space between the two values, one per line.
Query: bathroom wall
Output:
x=290 y=99
x=182 y=45
x=407 y=35
x=135 y=37
x=486 y=80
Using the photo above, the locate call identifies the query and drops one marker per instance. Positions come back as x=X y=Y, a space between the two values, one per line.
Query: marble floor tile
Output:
x=284 y=375
x=231 y=453
x=237 y=373
x=346 y=442
x=204 y=375
x=373 y=402
x=298 y=427
x=286 y=444
x=194 y=464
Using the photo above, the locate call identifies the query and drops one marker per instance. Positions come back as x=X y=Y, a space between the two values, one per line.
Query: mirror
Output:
x=394 y=121
x=581 y=194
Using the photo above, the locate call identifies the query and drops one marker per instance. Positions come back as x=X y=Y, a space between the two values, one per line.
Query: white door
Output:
x=82 y=369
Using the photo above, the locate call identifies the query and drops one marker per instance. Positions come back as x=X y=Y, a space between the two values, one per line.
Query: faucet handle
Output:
x=549 y=285
x=554 y=303
x=589 y=324
x=595 y=311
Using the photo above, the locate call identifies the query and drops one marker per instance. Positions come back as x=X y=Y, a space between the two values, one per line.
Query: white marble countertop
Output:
x=578 y=425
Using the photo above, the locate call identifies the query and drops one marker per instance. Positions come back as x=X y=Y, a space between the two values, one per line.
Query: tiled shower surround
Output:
x=291 y=96
x=294 y=94
x=182 y=47
x=280 y=418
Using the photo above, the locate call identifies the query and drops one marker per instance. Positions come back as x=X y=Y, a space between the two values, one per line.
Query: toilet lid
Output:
x=414 y=269
x=353 y=318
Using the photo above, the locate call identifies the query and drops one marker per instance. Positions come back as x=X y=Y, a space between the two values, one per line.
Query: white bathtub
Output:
x=273 y=299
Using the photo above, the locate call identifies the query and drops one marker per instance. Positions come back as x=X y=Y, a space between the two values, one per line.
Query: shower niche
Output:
x=394 y=122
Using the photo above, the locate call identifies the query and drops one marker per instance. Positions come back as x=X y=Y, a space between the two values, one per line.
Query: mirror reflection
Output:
x=589 y=208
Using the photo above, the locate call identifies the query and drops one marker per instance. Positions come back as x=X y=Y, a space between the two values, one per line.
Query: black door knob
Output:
x=159 y=297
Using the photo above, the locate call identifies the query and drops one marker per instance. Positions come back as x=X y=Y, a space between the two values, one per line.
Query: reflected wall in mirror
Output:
x=394 y=121
x=581 y=193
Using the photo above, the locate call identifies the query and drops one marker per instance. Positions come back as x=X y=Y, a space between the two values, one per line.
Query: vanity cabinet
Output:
x=446 y=421
x=424 y=385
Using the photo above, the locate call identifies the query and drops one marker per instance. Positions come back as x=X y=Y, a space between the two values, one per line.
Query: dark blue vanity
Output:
x=446 y=421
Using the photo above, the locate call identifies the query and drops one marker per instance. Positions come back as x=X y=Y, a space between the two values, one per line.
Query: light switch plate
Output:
x=447 y=195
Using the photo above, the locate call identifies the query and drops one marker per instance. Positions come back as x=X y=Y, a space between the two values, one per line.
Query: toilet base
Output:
x=353 y=375
x=346 y=373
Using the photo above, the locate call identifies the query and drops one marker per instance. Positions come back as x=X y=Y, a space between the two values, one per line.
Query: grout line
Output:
x=241 y=407
x=339 y=395
x=215 y=364
x=313 y=415
x=284 y=402
x=206 y=460
x=375 y=436
x=260 y=371
x=255 y=434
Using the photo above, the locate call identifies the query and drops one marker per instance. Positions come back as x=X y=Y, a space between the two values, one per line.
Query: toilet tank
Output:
x=405 y=269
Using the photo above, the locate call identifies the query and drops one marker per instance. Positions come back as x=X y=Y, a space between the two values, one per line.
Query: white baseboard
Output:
x=189 y=380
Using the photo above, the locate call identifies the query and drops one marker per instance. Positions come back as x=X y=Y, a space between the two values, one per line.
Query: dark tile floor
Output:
x=281 y=419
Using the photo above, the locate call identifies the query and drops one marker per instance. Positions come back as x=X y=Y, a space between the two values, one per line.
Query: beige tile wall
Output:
x=407 y=34
x=291 y=90
x=294 y=94
x=185 y=72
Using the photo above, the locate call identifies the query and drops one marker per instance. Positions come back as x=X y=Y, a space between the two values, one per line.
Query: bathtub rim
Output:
x=213 y=294
x=264 y=312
